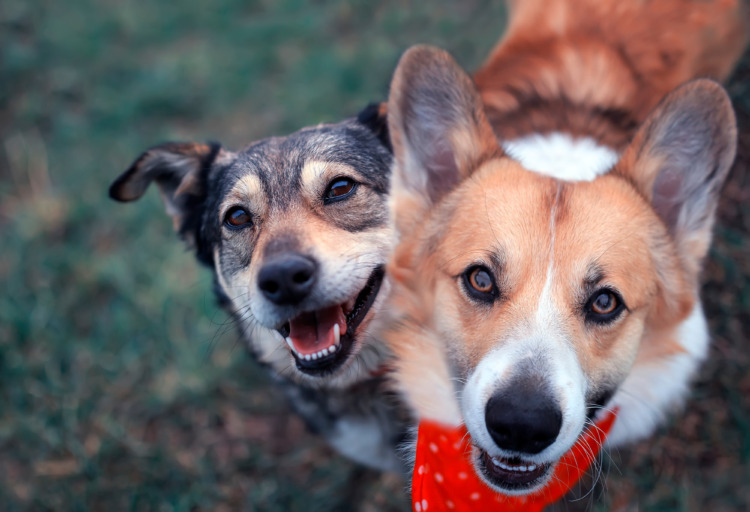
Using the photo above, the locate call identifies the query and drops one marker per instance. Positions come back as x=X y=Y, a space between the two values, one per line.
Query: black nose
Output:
x=523 y=419
x=288 y=279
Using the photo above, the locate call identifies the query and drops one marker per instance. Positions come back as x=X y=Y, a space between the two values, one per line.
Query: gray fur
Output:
x=356 y=413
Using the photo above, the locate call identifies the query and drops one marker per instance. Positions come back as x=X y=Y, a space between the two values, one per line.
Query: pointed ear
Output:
x=375 y=117
x=680 y=158
x=179 y=170
x=438 y=129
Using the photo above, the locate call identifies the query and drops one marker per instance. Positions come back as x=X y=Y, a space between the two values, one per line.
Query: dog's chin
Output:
x=512 y=476
x=330 y=361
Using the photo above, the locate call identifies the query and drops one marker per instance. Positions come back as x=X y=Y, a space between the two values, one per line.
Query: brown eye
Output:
x=604 y=306
x=480 y=280
x=237 y=218
x=479 y=284
x=339 y=188
x=604 y=303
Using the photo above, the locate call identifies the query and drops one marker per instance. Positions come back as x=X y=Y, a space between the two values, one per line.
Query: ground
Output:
x=122 y=386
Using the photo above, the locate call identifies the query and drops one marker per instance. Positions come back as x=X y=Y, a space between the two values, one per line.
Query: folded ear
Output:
x=180 y=171
x=680 y=158
x=438 y=129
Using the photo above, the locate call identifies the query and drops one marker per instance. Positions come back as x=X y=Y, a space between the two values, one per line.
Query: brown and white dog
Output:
x=553 y=221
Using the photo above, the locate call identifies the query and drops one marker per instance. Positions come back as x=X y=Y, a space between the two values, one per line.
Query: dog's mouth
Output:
x=322 y=340
x=512 y=474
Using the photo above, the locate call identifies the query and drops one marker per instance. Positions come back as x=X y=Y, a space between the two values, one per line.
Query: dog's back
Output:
x=598 y=67
x=499 y=268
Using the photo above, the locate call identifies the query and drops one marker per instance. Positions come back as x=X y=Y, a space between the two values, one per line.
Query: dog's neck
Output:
x=552 y=86
x=596 y=69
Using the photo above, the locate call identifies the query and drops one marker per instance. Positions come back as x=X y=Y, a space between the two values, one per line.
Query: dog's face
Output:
x=542 y=307
x=536 y=296
x=297 y=231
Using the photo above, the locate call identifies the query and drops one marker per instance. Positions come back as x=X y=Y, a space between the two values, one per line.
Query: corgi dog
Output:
x=297 y=234
x=553 y=215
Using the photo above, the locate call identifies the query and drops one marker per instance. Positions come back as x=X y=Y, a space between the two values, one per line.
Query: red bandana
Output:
x=444 y=478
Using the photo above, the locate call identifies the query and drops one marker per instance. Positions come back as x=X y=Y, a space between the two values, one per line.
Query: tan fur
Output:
x=248 y=191
x=614 y=57
x=506 y=209
x=313 y=233
x=642 y=230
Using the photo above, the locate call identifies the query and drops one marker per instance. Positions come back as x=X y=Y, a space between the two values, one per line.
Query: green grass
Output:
x=122 y=387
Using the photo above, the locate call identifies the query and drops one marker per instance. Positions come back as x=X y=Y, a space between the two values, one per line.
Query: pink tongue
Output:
x=312 y=332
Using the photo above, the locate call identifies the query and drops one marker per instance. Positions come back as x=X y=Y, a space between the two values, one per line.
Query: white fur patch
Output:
x=363 y=441
x=551 y=353
x=560 y=156
x=653 y=390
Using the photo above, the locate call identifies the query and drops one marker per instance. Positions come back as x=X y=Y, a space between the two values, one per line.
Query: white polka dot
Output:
x=463 y=476
x=439 y=478
x=457 y=445
x=443 y=439
x=424 y=504
x=450 y=504
x=433 y=448
x=420 y=470
x=474 y=496
x=418 y=507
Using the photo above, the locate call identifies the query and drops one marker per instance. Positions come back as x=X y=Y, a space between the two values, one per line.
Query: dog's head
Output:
x=531 y=296
x=297 y=231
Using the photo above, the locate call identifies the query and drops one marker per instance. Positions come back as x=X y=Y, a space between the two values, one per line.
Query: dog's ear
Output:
x=679 y=160
x=375 y=117
x=179 y=170
x=438 y=129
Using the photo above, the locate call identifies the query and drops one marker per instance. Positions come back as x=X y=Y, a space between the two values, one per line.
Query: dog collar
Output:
x=444 y=478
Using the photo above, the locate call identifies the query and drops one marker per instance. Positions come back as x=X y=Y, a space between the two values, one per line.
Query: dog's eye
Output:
x=237 y=218
x=604 y=306
x=339 y=188
x=479 y=283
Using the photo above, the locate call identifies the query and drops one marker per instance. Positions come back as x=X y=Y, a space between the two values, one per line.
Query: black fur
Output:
x=207 y=173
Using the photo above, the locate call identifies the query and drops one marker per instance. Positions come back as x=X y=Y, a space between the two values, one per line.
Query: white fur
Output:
x=653 y=390
x=549 y=352
x=363 y=441
x=269 y=346
x=561 y=156
x=556 y=362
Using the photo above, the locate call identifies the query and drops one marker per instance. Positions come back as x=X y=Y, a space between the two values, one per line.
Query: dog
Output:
x=552 y=216
x=297 y=234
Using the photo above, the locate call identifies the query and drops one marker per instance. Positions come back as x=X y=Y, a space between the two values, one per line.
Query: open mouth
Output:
x=512 y=473
x=322 y=340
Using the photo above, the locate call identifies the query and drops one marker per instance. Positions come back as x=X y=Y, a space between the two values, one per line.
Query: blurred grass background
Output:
x=122 y=386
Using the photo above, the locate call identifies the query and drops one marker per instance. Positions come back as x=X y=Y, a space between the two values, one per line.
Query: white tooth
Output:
x=336 y=334
x=315 y=356
x=324 y=352
x=522 y=468
x=289 y=342
x=308 y=357
x=532 y=467
x=333 y=348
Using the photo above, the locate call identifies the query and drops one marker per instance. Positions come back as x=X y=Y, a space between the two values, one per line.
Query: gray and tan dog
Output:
x=296 y=231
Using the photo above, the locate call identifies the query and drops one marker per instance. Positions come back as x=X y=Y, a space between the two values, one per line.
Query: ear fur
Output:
x=180 y=171
x=375 y=117
x=679 y=160
x=438 y=129
x=421 y=372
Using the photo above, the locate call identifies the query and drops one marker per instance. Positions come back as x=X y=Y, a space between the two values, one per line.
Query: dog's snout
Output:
x=523 y=419
x=288 y=279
